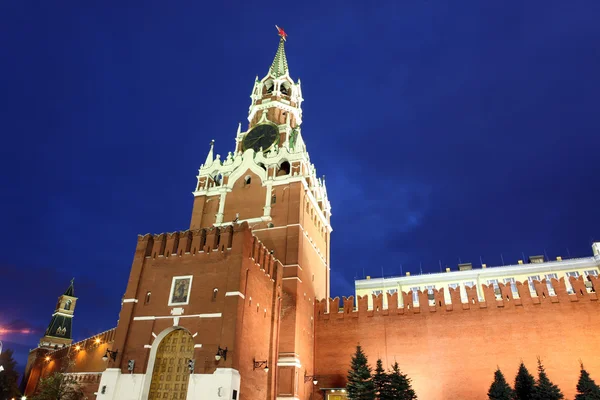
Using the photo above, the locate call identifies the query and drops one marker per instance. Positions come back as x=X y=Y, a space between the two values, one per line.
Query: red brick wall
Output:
x=451 y=352
x=221 y=263
x=258 y=320
x=83 y=356
x=236 y=263
x=246 y=199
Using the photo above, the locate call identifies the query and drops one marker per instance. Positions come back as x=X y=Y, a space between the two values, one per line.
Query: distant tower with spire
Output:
x=59 y=331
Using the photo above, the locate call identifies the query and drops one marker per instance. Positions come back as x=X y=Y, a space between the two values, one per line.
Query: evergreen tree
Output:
x=500 y=389
x=544 y=388
x=360 y=385
x=8 y=376
x=586 y=387
x=380 y=380
x=58 y=386
x=399 y=385
x=524 y=384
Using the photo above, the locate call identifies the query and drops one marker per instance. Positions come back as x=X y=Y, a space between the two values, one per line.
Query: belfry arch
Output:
x=168 y=372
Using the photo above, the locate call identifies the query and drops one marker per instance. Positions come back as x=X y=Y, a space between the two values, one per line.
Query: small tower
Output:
x=59 y=332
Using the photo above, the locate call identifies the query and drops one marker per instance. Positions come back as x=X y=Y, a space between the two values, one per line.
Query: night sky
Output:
x=447 y=132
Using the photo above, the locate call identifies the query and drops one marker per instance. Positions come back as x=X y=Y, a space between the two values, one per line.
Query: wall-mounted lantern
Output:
x=110 y=354
x=260 y=364
x=221 y=353
x=310 y=377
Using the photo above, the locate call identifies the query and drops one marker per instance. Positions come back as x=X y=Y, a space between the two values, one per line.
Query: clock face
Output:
x=264 y=136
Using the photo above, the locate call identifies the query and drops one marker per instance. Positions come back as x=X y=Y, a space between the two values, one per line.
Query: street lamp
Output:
x=110 y=354
x=221 y=353
x=260 y=364
x=309 y=377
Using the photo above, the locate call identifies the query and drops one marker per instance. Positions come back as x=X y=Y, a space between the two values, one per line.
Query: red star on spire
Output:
x=281 y=32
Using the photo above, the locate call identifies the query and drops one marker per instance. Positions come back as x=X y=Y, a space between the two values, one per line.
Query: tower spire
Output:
x=209 y=157
x=70 y=290
x=58 y=333
x=279 y=67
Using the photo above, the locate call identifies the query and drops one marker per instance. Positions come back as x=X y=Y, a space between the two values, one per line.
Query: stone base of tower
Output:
x=224 y=383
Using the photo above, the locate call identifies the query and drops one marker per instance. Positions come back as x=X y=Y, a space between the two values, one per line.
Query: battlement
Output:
x=106 y=337
x=264 y=258
x=435 y=300
x=207 y=241
x=189 y=241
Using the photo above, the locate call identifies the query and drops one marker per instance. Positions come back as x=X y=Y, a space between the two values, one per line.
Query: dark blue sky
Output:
x=445 y=131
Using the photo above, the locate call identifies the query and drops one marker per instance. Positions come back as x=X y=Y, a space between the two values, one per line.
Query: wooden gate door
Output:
x=170 y=375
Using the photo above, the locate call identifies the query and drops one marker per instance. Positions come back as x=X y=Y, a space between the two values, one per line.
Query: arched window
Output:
x=218 y=178
x=247 y=180
x=215 y=293
x=284 y=169
x=68 y=305
x=269 y=86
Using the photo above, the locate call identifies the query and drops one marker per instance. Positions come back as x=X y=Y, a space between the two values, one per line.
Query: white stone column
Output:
x=219 y=217
x=108 y=381
x=217 y=386
x=267 y=207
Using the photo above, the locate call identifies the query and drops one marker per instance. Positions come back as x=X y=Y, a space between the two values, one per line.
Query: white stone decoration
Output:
x=125 y=386
x=285 y=95
x=177 y=311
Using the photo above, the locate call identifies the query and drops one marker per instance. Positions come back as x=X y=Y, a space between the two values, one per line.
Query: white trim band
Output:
x=152 y=318
x=235 y=294
x=63 y=314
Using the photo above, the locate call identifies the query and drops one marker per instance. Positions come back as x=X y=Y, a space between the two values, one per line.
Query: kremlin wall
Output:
x=450 y=351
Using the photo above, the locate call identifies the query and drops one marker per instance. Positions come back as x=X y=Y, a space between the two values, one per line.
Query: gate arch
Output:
x=170 y=374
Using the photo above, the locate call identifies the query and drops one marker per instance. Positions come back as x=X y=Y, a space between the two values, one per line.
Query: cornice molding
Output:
x=453 y=276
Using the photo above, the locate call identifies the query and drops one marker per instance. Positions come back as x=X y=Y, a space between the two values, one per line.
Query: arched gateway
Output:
x=170 y=375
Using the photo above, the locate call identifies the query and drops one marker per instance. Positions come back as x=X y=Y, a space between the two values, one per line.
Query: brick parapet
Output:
x=490 y=301
x=80 y=358
x=450 y=350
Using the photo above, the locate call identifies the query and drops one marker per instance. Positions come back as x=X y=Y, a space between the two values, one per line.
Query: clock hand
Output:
x=256 y=141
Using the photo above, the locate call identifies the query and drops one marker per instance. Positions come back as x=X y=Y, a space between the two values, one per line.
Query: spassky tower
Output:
x=268 y=181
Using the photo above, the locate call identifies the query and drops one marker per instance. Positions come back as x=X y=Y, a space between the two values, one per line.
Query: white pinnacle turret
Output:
x=209 y=157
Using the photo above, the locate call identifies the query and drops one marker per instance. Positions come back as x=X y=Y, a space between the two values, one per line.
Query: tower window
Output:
x=270 y=86
x=284 y=169
x=285 y=89
x=68 y=305
x=215 y=292
x=273 y=199
x=147 y=300
x=218 y=179
x=247 y=180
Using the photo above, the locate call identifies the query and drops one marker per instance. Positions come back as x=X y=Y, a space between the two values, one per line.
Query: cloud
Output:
x=19 y=326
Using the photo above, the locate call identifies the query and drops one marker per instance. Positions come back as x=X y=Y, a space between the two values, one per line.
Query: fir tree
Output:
x=586 y=387
x=8 y=376
x=544 y=389
x=500 y=389
x=380 y=380
x=360 y=385
x=524 y=384
x=399 y=385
